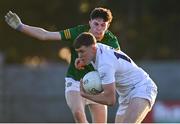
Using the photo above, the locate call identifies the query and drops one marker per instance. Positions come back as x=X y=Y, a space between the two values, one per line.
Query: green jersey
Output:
x=70 y=35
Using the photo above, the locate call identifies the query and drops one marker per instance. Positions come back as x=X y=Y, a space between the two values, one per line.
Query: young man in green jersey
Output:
x=100 y=19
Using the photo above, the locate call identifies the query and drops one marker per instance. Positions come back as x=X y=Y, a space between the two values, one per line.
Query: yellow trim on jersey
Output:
x=118 y=49
x=67 y=34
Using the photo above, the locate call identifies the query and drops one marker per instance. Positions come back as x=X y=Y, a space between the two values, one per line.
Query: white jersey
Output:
x=117 y=67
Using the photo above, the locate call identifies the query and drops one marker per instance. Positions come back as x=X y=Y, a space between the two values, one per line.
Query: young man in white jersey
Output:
x=137 y=92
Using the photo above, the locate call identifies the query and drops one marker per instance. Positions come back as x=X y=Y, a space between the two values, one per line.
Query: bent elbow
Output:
x=112 y=101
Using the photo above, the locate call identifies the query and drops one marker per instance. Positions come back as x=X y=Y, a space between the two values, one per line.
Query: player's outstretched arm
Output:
x=15 y=22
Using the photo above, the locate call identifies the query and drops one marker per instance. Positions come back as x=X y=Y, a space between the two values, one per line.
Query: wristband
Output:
x=19 y=27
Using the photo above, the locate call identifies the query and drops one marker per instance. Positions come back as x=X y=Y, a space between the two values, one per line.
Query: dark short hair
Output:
x=84 y=39
x=103 y=13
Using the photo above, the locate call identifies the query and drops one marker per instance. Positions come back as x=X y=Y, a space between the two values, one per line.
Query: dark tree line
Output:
x=146 y=29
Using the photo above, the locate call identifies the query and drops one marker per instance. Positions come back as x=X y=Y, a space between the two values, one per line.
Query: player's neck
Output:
x=99 y=38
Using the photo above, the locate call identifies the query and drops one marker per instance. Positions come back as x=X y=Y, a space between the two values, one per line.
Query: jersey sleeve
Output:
x=107 y=74
x=72 y=33
x=116 y=44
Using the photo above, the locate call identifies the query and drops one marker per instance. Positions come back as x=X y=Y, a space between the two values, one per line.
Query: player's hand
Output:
x=82 y=91
x=13 y=20
x=79 y=64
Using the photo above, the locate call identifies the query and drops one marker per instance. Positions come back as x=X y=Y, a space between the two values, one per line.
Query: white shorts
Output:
x=73 y=85
x=148 y=90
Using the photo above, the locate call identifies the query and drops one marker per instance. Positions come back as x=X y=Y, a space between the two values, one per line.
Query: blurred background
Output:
x=32 y=71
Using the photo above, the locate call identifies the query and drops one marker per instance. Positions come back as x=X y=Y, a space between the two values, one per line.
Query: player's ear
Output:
x=90 y=22
x=94 y=47
x=108 y=25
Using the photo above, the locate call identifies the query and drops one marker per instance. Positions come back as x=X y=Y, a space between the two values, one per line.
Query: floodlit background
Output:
x=32 y=71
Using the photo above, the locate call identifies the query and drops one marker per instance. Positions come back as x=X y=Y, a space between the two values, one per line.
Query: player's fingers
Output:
x=15 y=15
x=81 y=81
x=81 y=86
x=7 y=19
x=79 y=64
x=11 y=13
x=81 y=68
x=8 y=14
x=76 y=63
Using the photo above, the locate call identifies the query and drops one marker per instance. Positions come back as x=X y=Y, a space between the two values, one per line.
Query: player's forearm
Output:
x=102 y=98
x=38 y=33
x=32 y=31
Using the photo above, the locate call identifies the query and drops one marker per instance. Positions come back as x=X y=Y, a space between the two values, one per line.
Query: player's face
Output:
x=86 y=54
x=98 y=27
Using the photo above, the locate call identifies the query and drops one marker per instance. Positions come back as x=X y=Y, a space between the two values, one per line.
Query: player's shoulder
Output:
x=104 y=61
x=105 y=51
x=105 y=47
x=109 y=34
x=83 y=27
